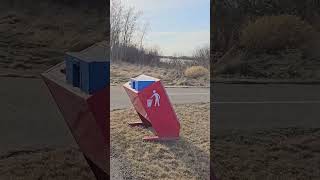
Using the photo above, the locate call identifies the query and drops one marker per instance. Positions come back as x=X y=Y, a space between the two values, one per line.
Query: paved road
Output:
x=119 y=98
x=265 y=106
x=30 y=117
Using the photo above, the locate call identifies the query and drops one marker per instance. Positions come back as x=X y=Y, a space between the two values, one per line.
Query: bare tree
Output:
x=202 y=56
x=143 y=31
x=124 y=22
x=128 y=34
x=116 y=14
x=129 y=28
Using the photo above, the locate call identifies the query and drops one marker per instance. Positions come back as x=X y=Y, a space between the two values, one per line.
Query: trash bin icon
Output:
x=149 y=103
x=152 y=104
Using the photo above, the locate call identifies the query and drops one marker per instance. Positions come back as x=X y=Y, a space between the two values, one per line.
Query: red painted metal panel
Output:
x=99 y=105
x=87 y=118
x=154 y=105
x=137 y=104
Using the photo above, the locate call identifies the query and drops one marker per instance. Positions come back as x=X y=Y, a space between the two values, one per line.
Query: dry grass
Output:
x=50 y=164
x=287 y=153
x=196 y=72
x=187 y=158
x=121 y=72
x=276 y=32
x=31 y=43
x=273 y=47
x=232 y=15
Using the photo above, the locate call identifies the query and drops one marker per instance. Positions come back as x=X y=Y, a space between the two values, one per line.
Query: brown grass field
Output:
x=121 y=72
x=33 y=41
x=274 y=154
x=187 y=158
x=46 y=163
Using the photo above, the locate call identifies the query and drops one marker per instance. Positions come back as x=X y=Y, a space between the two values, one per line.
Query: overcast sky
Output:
x=176 y=26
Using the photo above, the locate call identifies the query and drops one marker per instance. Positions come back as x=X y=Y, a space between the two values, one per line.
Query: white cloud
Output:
x=183 y=43
x=158 y=5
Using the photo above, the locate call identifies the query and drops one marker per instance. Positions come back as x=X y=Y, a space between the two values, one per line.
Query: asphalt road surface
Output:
x=119 y=98
x=30 y=117
x=239 y=106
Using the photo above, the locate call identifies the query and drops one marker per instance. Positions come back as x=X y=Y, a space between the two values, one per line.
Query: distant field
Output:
x=187 y=158
x=122 y=72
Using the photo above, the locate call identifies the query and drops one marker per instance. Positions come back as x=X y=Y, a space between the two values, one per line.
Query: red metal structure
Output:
x=154 y=109
x=87 y=116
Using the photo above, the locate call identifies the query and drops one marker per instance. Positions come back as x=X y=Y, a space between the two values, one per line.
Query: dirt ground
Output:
x=121 y=73
x=187 y=158
x=287 y=153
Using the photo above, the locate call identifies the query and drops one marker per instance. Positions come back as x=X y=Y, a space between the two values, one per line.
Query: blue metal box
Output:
x=140 y=82
x=89 y=69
